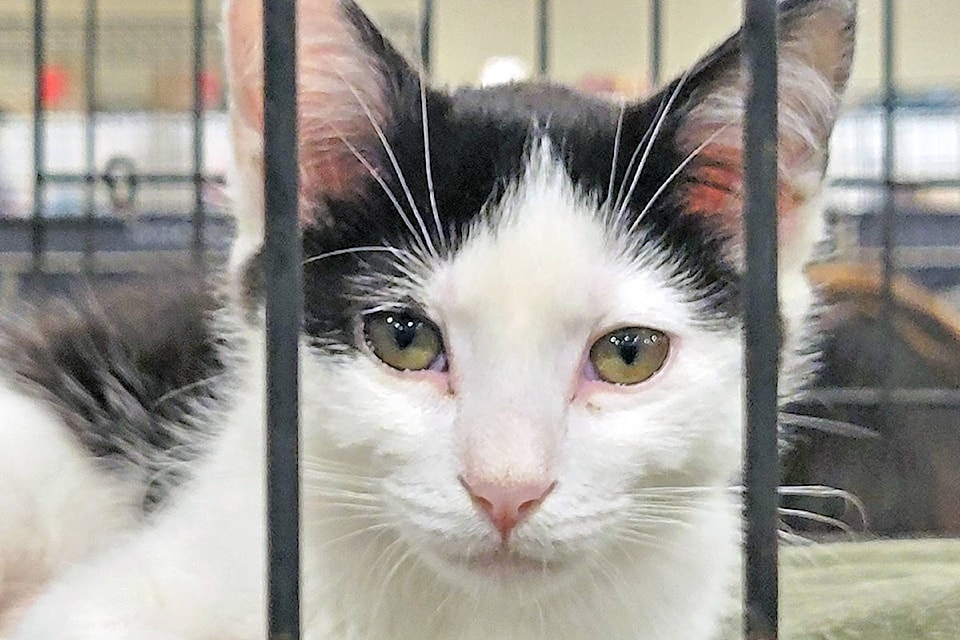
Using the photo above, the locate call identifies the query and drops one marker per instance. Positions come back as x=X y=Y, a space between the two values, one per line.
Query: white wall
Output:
x=588 y=37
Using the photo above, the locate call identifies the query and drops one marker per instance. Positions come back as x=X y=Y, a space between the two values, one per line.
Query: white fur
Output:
x=55 y=507
x=385 y=518
x=639 y=538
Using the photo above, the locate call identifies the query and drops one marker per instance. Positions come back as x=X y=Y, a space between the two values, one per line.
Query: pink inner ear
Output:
x=330 y=171
x=244 y=29
x=716 y=190
x=341 y=94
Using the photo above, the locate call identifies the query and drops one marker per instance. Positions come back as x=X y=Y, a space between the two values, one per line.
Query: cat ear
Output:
x=815 y=55
x=347 y=75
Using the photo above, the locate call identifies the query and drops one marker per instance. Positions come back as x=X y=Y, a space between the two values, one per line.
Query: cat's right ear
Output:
x=348 y=78
x=816 y=44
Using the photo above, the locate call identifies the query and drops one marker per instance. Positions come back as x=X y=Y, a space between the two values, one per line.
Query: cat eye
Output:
x=404 y=340
x=629 y=355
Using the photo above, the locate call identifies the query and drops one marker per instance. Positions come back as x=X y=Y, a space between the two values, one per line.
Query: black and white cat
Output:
x=521 y=391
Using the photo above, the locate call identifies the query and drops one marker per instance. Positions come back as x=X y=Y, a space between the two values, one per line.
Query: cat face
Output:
x=523 y=303
x=518 y=399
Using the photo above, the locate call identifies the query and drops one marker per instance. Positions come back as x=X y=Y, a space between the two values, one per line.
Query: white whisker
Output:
x=379 y=526
x=789 y=537
x=342 y=252
x=355 y=502
x=336 y=468
x=662 y=517
x=387 y=559
x=673 y=507
x=680 y=490
x=385 y=553
x=613 y=575
x=411 y=275
x=817 y=517
x=395 y=163
x=541 y=619
x=643 y=539
x=349 y=517
x=173 y=393
x=658 y=126
x=816 y=491
x=680 y=167
x=616 y=153
x=636 y=153
x=426 y=159
x=386 y=190
x=339 y=479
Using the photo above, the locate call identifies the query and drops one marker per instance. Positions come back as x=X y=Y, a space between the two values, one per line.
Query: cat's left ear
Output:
x=815 y=56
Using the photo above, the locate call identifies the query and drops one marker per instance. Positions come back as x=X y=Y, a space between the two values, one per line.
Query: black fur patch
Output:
x=127 y=371
x=480 y=142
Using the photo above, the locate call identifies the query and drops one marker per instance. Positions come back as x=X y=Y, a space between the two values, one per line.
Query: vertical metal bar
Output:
x=199 y=211
x=426 y=33
x=762 y=344
x=889 y=210
x=543 y=38
x=656 y=42
x=39 y=137
x=283 y=273
x=90 y=130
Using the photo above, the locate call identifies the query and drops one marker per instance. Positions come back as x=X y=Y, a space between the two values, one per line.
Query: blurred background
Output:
x=113 y=148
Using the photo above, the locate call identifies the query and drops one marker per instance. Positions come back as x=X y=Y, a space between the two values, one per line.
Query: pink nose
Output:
x=507 y=505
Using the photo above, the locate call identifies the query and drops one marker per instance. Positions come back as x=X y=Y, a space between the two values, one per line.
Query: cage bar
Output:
x=426 y=33
x=282 y=274
x=39 y=120
x=888 y=213
x=91 y=19
x=199 y=210
x=656 y=42
x=897 y=184
x=543 y=39
x=139 y=178
x=761 y=358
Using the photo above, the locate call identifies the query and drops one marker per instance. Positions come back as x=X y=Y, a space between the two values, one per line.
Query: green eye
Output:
x=629 y=355
x=404 y=341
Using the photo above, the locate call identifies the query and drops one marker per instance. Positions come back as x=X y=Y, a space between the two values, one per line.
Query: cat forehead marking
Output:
x=540 y=236
x=545 y=256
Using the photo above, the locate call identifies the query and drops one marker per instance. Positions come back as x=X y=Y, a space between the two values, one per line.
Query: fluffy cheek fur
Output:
x=520 y=304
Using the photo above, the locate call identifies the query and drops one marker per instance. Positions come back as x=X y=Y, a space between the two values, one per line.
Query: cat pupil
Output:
x=404 y=331
x=628 y=348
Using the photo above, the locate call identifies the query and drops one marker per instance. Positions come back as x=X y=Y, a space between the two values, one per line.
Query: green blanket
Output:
x=881 y=590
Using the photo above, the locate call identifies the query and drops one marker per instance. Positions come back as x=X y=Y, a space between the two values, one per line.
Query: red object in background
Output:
x=54 y=86
x=211 y=89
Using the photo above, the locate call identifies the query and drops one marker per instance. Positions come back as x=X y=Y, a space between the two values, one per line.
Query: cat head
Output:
x=523 y=303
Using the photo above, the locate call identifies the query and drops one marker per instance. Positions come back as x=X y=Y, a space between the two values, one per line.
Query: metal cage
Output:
x=203 y=240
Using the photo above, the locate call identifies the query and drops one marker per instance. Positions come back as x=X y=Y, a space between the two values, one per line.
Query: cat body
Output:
x=521 y=391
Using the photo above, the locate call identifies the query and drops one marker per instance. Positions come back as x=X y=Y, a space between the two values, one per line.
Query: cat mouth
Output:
x=508 y=563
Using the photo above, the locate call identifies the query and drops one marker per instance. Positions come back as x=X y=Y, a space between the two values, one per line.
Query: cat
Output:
x=521 y=396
